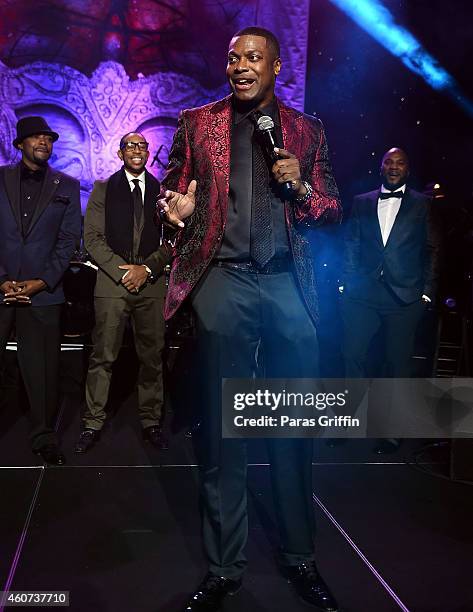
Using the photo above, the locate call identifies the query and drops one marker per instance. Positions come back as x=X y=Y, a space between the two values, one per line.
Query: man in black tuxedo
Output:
x=40 y=225
x=390 y=270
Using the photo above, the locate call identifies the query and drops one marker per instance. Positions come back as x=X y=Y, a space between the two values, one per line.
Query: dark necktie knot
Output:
x=385 y=195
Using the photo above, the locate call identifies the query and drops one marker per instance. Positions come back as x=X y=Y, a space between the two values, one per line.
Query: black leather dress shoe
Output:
x=155 y=436
x=86 y=440
x=387 y=446
x=211 y=593
x=51 y=454
x=310 y=587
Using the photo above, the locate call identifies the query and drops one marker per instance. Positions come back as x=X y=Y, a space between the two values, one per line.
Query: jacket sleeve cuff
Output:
x=158 y=261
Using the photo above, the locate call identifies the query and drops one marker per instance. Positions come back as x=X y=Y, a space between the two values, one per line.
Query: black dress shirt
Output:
x=236 y=240
x=31 y=183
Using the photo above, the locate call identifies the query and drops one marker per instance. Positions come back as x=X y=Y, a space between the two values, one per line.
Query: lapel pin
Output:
x=56 y=180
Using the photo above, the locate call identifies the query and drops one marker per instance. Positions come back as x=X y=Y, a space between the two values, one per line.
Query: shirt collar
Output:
x=131 y=178
x=270 y=109
x=384 y=190
x=27 y=172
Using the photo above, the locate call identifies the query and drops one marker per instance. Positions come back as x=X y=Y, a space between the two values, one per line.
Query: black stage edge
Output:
x=119 y=527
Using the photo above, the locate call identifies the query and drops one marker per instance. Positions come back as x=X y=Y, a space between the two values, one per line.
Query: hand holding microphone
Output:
x=286 y=169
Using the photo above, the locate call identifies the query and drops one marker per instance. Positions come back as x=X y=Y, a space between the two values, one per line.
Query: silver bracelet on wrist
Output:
x=307 y=194
x=149 y=272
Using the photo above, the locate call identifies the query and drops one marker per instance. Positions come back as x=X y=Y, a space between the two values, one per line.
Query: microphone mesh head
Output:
x=265 y=123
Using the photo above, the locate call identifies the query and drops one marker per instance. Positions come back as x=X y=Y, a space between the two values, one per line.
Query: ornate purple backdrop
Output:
x=146 y=81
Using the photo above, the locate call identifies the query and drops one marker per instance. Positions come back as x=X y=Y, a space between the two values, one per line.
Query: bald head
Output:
x=394 y=168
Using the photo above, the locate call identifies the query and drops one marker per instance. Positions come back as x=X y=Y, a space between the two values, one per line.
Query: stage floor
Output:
x=119 y=527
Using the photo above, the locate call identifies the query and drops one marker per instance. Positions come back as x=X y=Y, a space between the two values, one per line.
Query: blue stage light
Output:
x=376 y=19
x=379 y=22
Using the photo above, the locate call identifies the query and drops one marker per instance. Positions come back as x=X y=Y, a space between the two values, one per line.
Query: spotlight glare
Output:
x=376 y=19
x=379 y=22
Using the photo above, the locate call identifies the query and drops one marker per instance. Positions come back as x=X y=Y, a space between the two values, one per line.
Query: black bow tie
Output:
x=384 y=195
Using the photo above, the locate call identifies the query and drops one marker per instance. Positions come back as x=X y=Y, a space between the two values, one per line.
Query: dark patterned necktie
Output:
x=137 y=203
x=261 y=234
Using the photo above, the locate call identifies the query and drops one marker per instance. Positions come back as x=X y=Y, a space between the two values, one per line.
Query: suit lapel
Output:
x=374 y=219
x=291 y=128
x=50 y=184
x=292 y=141
x=11 y=177
x=151 y=196
x=218 y=134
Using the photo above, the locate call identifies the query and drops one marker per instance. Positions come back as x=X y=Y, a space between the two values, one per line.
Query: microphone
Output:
x=265 y=127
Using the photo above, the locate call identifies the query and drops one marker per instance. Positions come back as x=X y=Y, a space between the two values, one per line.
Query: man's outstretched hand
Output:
x=177 y=206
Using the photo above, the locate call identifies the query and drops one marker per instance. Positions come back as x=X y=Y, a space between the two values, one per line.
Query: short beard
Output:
x=41 y=161
x=393 y=187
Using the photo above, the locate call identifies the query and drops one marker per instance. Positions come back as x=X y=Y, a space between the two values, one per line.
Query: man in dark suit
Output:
x=40 y=224
x=244 y=263
x=123 y=237
x=390 y=271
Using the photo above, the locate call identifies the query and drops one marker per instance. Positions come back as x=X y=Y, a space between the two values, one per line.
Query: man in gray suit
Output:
x=123 y=237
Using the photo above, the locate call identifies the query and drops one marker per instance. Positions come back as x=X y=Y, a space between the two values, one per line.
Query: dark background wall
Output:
x=370 y=101
x=367 y=98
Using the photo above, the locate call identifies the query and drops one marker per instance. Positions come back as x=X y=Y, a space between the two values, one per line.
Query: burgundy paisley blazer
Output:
x=201 y=151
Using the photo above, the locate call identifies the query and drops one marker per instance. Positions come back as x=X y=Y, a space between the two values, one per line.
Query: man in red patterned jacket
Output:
x=244 y=263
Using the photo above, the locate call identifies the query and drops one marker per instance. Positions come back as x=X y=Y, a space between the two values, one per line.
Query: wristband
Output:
x=307 y=194
x=150 y=273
